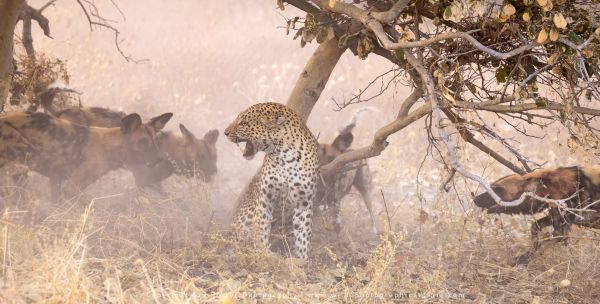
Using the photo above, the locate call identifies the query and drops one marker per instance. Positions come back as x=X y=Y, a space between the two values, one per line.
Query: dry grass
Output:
x=143 y=246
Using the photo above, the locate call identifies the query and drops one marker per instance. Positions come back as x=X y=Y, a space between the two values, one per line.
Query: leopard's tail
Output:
x=354 y=120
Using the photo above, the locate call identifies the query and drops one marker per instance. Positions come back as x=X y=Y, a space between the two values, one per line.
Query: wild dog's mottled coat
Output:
x=555 y=183
x=185 y=155
x=287 y=178
x=355 y=174
x=63 y=150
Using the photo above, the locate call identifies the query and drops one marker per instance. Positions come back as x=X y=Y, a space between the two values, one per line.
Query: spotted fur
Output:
x=286 y=179
x=555 y=183
x=184 y=154
x=63 y=150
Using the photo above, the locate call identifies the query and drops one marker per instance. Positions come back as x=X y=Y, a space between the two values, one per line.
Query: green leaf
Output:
x=574 y=37
x=472 y=88
x=399 y=54
x=311 y=21
x=448 y=13
x=540 y=102
x=365 y=46
x=343 y=43
x=501 y=75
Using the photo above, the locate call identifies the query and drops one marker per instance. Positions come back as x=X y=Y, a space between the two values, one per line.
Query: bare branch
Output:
x=470 y=138
x=379 y=142
x=94 y=19
x=390 y=16
x=436 y=113
x=26 y=15
x=547 y=105
x=410 y=101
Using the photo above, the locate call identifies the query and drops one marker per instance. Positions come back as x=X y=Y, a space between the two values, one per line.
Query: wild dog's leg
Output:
x=561 y=225
x=536 y=227
x=335 y=203
x=362 y=183
x=302 y=220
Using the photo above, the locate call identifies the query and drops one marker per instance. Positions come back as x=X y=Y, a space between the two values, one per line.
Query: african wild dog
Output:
x=580 y=183
x=184 y=155
x=63 y=150
x=355 y=174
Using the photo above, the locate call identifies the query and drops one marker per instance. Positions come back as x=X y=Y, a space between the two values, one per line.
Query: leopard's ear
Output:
x=280 y=120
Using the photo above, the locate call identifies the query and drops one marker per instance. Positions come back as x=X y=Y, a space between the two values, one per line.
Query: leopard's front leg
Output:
x=302 y=198
x=253 y=219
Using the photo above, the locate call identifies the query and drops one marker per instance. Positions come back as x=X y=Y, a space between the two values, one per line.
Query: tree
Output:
x=27 y=78
x=526 y=62
x=9 y=12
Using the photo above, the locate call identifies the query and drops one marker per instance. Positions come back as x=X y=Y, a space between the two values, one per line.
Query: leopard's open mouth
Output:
x=249 y=150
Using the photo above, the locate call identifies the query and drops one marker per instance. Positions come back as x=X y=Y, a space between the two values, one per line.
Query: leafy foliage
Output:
x=514 y=56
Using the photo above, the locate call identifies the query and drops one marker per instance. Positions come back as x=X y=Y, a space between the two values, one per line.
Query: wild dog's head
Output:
x=558 y=183
x=140 y=146
x=267 y=127
x=200 y=154
x=341 y=144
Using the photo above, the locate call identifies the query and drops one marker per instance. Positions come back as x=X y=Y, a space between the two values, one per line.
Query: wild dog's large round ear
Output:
x=130 y=123
x=159 y=122
x=211 y=136
x=343 y=141
x=187 y=135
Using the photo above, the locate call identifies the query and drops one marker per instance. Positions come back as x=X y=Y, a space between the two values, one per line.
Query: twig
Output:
x=387 y=213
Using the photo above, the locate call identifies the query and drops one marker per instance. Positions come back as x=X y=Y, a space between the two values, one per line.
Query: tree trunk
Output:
x=9 y=12
x=314 y=77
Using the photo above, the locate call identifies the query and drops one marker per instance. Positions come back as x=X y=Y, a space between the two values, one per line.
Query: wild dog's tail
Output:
x=354 y=120
x=47 y=98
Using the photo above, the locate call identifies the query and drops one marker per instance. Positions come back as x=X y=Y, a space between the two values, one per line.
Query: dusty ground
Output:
x=206 y=62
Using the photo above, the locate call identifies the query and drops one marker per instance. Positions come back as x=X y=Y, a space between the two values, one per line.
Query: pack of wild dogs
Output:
x=75 y=146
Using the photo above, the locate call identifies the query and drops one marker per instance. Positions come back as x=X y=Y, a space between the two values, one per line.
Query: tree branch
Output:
x=436 y=113
x=314 y=76
x=94 y=19
x=469 y=137
x=27 y=14
x=548 y=105
x=370 y=20
x=379 y=142
x=390 y=15
x=9 y=14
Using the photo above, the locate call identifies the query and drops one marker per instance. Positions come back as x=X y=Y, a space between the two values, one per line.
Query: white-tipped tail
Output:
x=354 y=120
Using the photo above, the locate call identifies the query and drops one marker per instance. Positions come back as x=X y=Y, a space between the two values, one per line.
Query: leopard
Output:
x=287 y=178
